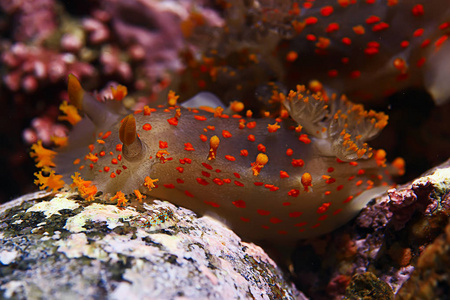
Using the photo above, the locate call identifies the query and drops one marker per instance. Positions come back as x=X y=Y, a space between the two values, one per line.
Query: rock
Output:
x=399 y=238
x=59 y=247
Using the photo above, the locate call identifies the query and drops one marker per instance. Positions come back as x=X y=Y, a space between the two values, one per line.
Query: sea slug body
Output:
x=268 y=179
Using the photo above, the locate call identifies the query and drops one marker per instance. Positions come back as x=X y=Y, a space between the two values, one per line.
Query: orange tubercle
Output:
x=261 y=161
x=213 y=144
x=306 y=181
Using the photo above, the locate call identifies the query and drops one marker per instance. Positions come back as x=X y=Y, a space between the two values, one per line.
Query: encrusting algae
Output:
x=299 y=175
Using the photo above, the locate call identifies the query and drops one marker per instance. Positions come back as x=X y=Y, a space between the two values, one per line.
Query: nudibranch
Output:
x=302 y=174
x=350 y=44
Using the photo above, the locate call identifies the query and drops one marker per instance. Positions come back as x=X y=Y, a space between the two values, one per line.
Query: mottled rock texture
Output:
x=59 y=247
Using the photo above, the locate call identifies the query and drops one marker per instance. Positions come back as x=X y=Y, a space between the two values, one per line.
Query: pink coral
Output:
x=30 y=67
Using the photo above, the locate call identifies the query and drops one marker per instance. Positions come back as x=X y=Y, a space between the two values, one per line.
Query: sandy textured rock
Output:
x=58 y=247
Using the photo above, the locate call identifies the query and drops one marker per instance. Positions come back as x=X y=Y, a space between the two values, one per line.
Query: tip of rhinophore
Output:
x=75 y=91
x=127 y=131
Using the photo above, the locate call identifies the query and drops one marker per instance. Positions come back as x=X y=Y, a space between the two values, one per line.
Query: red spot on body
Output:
x=304 y=138
x=404 y=44
x=206 y=174
x=420 y=62
x=418 y=32
x=244 y=152
x=297 y=163
x=200 y=118
x=311 y=20
x=289 y=152
x=263 y=212
x=326 y=11
x=293 y=193
x=322 y=218
x=180 y=169
x=372 y=20
x=243 y=219
x=163 y=145
x=106 y=169
x=425 y=43
x=301 y=224
x=337 y=211
x=323 y=208
x=347 y=41
x=106 y=135
x=349 y=198
x=444 y=25
x=380 y=26
x=330 y=180
x=203 y=137
x=340 y=187
x=331 y=73
x=418 y=10
x=201 y=181
x=218 y=181
x=275 y=220
x=251 y=125
x=258 y=183
x=371 y=51
x=119 y=147
x=238 y=183
x=332 y=27
x=261 y=148
x=311 y=37
x=114 y=161
x=440 y=41
x=355 y=74
x=188 y=147
x=212 y=203
x=208 y=166
x=239 y=203
x=230 y=158
x=237 y=175
x=226 y=134
x=169 y=186
x=284 y=174
x=251 y=137
x=295 y=214
x=173 y=121
x=179 y=180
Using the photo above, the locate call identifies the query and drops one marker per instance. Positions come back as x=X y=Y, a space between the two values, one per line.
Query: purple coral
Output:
x=404 y=203
x=33 y=20
x=30 y=67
